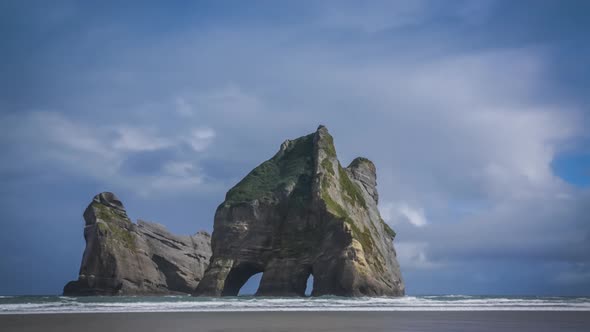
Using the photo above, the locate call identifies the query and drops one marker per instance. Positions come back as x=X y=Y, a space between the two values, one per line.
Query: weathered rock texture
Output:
x=302 y=213
x=123 y=258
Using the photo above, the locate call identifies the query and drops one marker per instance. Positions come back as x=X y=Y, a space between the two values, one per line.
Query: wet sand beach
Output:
x=441 y=321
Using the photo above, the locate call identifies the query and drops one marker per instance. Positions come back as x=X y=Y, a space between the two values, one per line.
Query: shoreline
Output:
x=302 y=311
x=344 y=321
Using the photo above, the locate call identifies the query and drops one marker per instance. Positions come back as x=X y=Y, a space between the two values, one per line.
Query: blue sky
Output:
x=475 y=113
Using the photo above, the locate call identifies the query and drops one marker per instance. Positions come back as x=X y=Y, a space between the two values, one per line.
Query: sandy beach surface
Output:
x=302 y=321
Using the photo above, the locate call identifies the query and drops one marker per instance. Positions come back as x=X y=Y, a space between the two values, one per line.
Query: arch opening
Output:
x=251 y=285
x=309 y=285
x=237 y=277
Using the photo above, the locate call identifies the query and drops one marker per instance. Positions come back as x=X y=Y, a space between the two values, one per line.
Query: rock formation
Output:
x=123 y=258
x=302 y=213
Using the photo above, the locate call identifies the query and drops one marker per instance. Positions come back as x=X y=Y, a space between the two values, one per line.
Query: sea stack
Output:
x=124 y=258
x=298 y=214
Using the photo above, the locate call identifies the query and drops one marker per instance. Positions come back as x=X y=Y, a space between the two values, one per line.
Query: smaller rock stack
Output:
x=123 y=258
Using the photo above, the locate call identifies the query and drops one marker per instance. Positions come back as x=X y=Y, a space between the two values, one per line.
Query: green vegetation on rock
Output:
x=120 y=235
x=326 y=143
x=124 y=236
x=352 y=193
x=109 y=225
x=285 y=169
x=329 y=146
x=364 y=237
x=334 y=207
x=327 y=164
x=106 y=213
x=388 y=229
x=359 y=160
x=104 y=229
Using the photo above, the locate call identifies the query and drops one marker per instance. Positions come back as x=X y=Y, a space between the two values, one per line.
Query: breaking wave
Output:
x=63 y=304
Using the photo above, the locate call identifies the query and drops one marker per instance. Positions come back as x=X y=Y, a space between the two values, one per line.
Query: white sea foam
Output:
x=192 y=304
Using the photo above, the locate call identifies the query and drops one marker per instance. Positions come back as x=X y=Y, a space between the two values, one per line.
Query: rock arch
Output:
x=299 y=213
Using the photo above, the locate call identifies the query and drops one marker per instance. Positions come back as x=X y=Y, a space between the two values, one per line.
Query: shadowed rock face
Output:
x=123 y=258
x=302 y=213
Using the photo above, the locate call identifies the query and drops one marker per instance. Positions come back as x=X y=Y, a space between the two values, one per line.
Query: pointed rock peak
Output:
x=105 y=206
x=285 y=145
x=363 y=164
x=110 y=200
x=324 y=142
x=361 y=160
x=363 y=170
x=322 y=131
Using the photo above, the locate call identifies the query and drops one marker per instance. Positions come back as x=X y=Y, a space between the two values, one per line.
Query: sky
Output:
x=474 y=112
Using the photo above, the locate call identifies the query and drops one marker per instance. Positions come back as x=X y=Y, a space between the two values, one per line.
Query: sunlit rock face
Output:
x=299 y=214
x=124 y=258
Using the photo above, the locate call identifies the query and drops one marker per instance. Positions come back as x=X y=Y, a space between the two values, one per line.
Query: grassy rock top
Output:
x=110 y=217
x=281 y=172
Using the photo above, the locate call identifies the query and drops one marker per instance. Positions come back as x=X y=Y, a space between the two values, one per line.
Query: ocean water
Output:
x=63 y=304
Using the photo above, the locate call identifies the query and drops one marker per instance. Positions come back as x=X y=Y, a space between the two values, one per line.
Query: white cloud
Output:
x=100 y=152
x=413 y=256
x=201 y=138
x=175 y=176
x=139 y=139
x=50 y=136
x=392 y=213
x=178 y=168
x=60 y=130
x=414 y=216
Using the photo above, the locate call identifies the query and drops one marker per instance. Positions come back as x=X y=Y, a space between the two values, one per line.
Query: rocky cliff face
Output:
x=123 y=258
x=302 y=213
